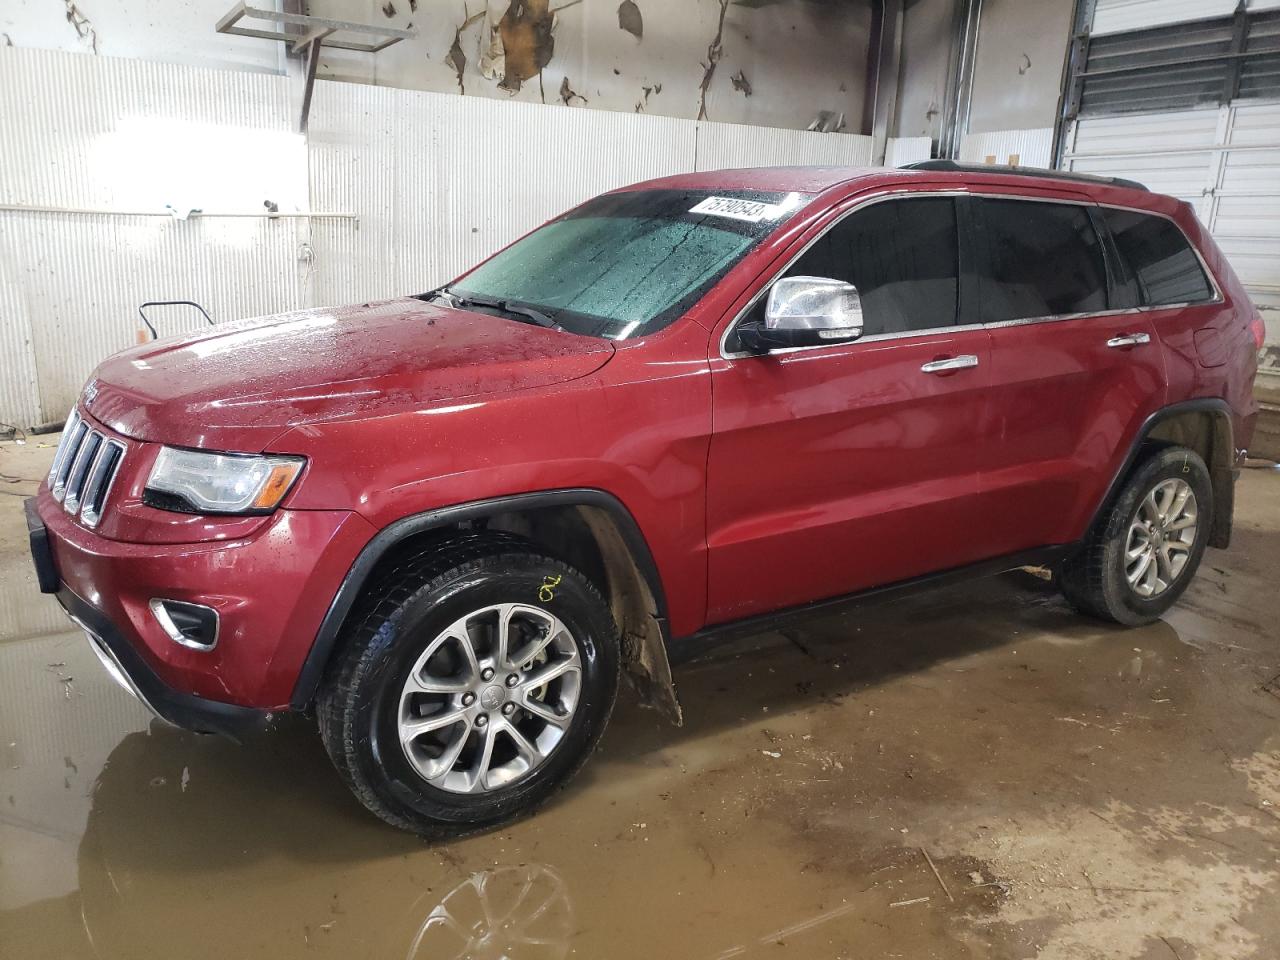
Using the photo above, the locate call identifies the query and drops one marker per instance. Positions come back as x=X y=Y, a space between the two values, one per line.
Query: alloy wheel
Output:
x=490 y=698
x=1161 y=535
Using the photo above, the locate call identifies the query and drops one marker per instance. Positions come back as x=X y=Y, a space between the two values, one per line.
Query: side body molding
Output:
x=353 y=584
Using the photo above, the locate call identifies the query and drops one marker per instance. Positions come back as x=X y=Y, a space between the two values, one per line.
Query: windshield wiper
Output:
x=504 y=306
x=537 y=316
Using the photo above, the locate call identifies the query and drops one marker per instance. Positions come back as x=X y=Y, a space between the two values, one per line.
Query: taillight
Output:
x=1259 y=331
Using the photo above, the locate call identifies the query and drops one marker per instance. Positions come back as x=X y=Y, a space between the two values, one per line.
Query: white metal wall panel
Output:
x=729 y=145
x=507 y=167
x=351 y=140
x=99 y=133
x=86 y=275
x=904 y=150
x=65 y=115
x=443 y=181
x=19 y=385
x=1118 y=16
x=1027 y=148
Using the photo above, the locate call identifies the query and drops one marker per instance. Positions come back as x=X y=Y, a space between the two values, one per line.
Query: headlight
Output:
x=190 y=481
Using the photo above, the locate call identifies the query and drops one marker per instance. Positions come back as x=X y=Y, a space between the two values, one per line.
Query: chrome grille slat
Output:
x=80 y=470
x=78 y=433
x=73 y=421
x=105 y=467
x=85 y=466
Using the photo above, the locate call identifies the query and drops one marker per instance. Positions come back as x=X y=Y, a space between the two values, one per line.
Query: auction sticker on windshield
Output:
x=750 y=210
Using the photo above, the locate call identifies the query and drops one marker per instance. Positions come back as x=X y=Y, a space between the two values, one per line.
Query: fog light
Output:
x=188 y=624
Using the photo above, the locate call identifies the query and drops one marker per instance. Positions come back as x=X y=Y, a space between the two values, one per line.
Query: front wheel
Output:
x=472 y=688
x=1144 y=551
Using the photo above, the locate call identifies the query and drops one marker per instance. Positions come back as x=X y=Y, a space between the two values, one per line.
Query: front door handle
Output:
x=1129 y=340
x=962 y=362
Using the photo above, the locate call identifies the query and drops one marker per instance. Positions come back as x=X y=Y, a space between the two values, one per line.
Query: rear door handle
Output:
x=1129 y=340
x=961 y=362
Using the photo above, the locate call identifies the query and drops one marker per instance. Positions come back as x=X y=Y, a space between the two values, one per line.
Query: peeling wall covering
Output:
x=777 y=63
x=793 y=58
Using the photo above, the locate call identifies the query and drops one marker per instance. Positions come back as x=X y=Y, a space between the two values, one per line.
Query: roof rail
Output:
x=951 y=166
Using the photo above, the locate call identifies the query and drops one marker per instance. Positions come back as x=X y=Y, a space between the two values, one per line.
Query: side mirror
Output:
x=804 y=312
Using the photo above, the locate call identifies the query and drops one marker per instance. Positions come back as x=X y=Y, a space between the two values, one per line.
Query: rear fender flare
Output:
x=1221 y=462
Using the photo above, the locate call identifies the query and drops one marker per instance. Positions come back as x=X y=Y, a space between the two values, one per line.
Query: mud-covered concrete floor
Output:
x=1082 y=791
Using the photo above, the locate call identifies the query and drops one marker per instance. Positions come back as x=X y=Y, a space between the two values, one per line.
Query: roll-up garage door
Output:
x=1224 y=160
x=1190 y=108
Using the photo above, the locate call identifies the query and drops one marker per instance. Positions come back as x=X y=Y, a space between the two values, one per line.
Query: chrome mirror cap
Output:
x=831 y=309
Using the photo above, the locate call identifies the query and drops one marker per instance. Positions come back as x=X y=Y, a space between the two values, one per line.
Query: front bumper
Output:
x=270 y=590
x=123 y=662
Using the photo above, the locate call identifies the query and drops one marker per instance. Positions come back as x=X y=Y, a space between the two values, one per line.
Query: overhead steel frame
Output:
x=304 y=35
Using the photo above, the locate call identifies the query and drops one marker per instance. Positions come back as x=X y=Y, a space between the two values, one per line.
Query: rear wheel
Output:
x=1144 y=551
x=472 y=688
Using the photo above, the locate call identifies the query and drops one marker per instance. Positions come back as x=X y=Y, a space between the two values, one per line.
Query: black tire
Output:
x=1094 y=580
x=358 y=703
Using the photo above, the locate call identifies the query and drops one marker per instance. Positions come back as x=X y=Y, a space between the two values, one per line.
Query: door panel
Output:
x=840 y=469
x=1072 y=377
x=1065 y=406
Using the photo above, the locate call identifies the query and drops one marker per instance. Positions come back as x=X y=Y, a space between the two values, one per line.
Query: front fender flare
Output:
x=353 y=584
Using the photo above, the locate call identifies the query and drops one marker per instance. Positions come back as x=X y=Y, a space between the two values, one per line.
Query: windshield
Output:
x=624 y=264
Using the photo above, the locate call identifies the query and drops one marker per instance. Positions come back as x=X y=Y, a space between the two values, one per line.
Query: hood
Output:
x=239 y=386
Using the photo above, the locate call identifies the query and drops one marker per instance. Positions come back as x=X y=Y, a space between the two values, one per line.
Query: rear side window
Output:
x=1160 y=257
x=901 y=255
x=1042 y=260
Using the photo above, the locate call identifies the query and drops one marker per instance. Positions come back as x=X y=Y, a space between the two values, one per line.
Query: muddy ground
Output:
x=1081 y=791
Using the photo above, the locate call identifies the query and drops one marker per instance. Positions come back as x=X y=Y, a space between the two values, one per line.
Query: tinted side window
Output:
x=1043 y=260
x=1167 y=269
x=902 y=257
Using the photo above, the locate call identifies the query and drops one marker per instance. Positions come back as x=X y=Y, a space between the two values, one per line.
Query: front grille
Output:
x=84 y=467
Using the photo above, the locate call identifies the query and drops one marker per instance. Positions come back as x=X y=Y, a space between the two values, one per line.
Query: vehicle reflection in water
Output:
x=509 y=912
x=194 y=847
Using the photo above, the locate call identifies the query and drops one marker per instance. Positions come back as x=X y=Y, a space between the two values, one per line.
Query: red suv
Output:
x=446 y=523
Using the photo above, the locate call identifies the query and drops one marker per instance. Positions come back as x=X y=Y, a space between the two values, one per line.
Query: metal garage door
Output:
x=1224 y=160
x=1185 y=97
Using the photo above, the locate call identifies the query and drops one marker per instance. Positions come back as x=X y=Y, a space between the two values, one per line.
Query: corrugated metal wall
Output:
x=428 y=183
x=904 y=150
x=1026 y=148
x=442 y=181
x=723 y=145
x=77 y=136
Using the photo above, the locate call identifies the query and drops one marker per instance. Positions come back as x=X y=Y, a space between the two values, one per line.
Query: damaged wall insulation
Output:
x=775 y=63
x=797 y=58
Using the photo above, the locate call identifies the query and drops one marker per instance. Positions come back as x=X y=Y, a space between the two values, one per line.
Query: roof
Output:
x=1040 y=173
x=814 y=180
x=771 y=179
